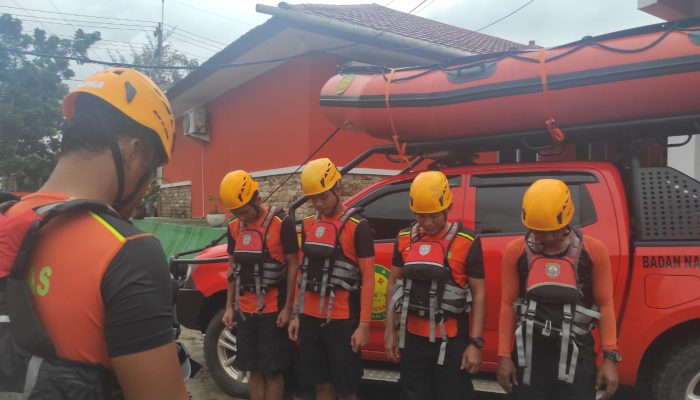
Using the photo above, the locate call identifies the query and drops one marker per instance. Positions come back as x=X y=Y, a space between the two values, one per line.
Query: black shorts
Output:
x=423 y=379
x=544 y=380
x=262 y=346
x=326 y=355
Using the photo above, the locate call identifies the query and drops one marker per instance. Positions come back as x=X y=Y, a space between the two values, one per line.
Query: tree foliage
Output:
x=148 y=55
x=31 y=90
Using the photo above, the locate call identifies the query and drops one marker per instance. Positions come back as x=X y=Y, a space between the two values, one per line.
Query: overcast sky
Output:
x=202 y=27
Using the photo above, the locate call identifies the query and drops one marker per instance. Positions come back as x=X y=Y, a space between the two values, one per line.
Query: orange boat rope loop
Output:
x=400 y=149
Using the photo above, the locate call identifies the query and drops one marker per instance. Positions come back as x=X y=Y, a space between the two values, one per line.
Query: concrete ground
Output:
x=203 y=387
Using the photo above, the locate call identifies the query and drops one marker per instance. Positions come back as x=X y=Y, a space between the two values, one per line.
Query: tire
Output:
x=678 y=377
x=220 y=349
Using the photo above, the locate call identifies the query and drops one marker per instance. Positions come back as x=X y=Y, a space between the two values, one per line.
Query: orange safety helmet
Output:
x=237 y=189
x=135 y=95
x=547 y=205
x=319 y=176
x=430 y=193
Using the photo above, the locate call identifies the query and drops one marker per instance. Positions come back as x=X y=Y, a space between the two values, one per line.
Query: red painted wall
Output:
x=272 y=121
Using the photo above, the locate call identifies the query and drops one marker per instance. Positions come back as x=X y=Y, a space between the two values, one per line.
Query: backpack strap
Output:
x=26 y=326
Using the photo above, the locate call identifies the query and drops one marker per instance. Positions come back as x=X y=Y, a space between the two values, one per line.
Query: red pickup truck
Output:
x=647 y=216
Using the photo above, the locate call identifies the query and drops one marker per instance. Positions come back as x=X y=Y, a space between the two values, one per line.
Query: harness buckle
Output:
x=530 y=313
x=568 y=315
x=547 y=330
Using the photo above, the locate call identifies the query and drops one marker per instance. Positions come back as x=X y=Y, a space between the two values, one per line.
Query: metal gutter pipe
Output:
x=402 y=43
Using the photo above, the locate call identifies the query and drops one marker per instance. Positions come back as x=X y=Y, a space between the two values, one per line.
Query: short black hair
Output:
x=97 y=124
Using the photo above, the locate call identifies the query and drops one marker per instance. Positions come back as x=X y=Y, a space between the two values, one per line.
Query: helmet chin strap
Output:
x=337 y=199
x=120 y=200
x=119 y=167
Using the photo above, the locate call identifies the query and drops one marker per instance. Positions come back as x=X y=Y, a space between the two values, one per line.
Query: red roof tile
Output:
x=386 y=19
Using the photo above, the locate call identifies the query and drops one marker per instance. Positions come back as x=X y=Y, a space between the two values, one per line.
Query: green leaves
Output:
x=31 y=90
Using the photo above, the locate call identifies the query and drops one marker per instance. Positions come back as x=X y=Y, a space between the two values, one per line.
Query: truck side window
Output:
x=498 y=208
x=388 y=214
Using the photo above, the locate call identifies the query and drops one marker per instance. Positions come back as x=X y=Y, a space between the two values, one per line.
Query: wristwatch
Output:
x=612 y=355
x=478 y=342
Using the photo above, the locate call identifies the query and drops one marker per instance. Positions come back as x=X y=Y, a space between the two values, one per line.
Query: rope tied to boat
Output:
x=555 y=132
x=400 y=147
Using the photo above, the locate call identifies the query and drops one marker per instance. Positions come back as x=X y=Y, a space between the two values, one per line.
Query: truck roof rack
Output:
x=658 y=129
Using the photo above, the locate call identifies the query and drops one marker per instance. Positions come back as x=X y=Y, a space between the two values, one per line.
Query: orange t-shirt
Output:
x=602 y=290
x=281 y=240
x=463 y=265
x=357 y=244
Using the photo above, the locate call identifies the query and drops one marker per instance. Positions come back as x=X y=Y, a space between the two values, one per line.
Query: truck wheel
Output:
x=679 y=377
x=220 y=352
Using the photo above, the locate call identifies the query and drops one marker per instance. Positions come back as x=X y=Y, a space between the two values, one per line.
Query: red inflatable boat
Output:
x=647 y=72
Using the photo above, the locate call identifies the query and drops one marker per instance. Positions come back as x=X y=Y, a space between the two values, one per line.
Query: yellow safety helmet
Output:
x=135 y=95
x=430 y=193
x=319 y=176
x=237 y=189
x=547 y=205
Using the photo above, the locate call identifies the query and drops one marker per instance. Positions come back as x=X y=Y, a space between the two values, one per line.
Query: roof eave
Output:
x=234 y=50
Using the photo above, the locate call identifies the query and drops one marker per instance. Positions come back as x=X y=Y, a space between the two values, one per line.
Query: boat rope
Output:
x=400 y=148
x=556 y=134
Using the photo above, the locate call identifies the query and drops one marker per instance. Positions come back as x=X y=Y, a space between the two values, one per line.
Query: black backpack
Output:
x=29 y=366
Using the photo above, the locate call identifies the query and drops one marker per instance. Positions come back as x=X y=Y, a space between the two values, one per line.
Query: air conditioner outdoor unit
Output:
x=194 y=123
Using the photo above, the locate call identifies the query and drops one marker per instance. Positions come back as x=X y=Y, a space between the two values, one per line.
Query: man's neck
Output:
x=84 y=175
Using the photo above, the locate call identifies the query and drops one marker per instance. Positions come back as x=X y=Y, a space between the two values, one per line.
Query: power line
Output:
x=428 y=4
x=71 y=21
x=416 y=7
x=194 y=34
x=120 y=44
x=194 y=42
x=185 y=67
x=20 y=7
x=78 y=15
x=110 y=25
x=88 y=26
x=211 y=13
x=501 y=19
x=91 y=24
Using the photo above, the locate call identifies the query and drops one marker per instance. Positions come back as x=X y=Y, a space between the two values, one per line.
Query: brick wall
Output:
x=291 y=191
x=175 y=201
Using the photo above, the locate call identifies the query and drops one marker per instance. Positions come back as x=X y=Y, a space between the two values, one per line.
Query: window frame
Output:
x=456 y=180
x=523 y=179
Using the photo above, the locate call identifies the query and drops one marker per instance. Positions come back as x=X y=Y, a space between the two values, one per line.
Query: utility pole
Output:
x=159 y=73
x=159 y=49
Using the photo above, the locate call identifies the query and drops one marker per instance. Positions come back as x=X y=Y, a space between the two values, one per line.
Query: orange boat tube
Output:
x=641 y=73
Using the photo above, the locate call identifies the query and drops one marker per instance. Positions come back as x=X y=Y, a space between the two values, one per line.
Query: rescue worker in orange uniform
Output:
x=263 y=263
x=336 y=287
x=556 y=282
x=437 y=277
x=101 y=288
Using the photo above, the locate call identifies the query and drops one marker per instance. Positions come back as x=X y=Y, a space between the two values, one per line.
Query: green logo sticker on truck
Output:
x=381 y=282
